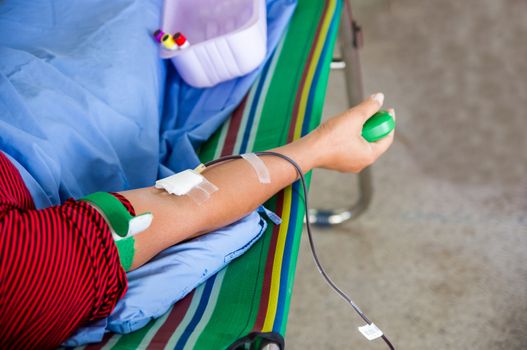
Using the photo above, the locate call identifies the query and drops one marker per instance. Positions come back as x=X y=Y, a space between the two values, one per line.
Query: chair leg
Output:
x=350 y=42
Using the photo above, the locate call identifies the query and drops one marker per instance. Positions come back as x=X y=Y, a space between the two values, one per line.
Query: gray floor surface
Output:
x=439 y=261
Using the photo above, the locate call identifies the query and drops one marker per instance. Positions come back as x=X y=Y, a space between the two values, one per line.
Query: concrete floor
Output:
x=439 y=261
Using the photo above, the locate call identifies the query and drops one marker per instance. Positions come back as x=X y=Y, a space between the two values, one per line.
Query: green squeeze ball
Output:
x=378 y=126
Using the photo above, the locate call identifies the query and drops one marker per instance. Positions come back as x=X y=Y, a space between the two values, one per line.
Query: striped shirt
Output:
x=59 y=267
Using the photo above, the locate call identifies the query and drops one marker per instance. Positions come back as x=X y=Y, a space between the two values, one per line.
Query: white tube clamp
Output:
x=371 y=331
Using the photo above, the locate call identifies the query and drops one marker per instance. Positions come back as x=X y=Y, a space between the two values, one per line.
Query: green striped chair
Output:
x=246 y=305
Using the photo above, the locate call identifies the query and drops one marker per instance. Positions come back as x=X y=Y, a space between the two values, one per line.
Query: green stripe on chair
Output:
x=253 y=293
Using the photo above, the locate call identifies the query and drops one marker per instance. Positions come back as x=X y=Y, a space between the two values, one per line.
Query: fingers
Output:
x=369 y=107
x=379 y=147
x=392 y=113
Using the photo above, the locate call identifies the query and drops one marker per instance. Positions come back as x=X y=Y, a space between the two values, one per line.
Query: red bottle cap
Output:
x=179 y=38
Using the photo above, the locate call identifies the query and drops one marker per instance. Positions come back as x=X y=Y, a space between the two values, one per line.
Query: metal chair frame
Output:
x=350 y=37
x=350 y=42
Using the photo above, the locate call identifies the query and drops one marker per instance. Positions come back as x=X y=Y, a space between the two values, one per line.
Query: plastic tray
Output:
x=228 y=38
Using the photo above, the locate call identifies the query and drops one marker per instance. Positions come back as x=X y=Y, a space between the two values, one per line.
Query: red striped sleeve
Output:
x=59 y=267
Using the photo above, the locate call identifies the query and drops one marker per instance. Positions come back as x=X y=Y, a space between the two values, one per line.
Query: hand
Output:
x=340 y=143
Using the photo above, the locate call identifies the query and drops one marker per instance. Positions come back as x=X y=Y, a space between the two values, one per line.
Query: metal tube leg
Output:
x=350 y=41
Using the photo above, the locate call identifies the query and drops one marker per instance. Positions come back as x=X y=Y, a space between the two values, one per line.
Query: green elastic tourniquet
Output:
x=126 y=249
x=115 y=212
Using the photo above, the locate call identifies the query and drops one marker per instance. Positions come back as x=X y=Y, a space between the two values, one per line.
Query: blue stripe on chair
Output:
x=197 y=316
x=297 y=190
x=286 y=259
x=254 y=105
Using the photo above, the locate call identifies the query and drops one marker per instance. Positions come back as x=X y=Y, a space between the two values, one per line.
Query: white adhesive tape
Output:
x=180 y=183
x=202 y=192
x=259 y=167
x=188 y=182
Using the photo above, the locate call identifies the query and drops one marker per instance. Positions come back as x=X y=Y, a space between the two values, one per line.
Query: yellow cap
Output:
x=168 y=42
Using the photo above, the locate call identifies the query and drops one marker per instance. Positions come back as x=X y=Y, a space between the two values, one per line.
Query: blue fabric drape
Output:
x=87 y=105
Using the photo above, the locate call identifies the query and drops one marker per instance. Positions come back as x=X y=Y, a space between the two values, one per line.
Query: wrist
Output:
x=312 y=149
x=306 y=152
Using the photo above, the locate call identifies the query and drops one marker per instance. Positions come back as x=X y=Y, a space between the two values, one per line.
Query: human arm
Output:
x=337 y=144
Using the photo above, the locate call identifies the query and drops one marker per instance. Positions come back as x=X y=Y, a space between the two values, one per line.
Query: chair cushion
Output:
x=156 y=286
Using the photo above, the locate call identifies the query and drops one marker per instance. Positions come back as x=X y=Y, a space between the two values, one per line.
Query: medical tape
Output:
x=188 y=182
x=126 y=250
x=259 y=167
x=122 y=224
x=202 y=192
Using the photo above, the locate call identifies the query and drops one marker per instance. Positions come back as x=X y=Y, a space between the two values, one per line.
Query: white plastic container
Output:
x=228 y=38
